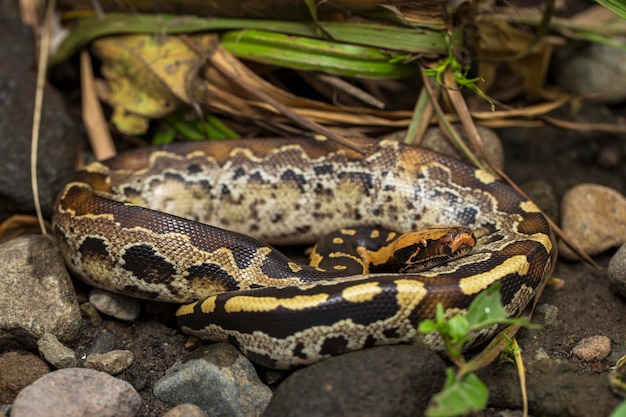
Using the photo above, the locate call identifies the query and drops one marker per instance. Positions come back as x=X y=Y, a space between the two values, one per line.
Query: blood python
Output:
x=138 y=224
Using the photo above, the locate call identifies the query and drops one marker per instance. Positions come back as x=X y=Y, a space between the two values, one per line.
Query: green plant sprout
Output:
x=463 y=392
x=460 y=75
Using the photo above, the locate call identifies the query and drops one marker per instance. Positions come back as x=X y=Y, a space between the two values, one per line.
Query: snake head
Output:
x=426 y=248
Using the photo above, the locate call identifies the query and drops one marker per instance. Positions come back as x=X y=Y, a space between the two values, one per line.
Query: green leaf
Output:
x=457 y=329
x=458 y=397
x=486 y=309
x=620 y=410
x=617 y=6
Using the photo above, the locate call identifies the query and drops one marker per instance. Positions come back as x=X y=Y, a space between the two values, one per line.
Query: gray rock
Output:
x=593 y=217
x=434 y=140
x=18 y=371
x=617 y=269
x=55 y=352
x=185 y=410
x=115 y=305
x=103 y=344
x=218 y=379
x=112 y=362
x=77 y=392
x=382 y=381
x=58 y=136
x=550 y=314
x=36 y=293
x=592 y=69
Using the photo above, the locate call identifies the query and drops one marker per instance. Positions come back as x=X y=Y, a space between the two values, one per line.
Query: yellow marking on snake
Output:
x=375 y=234
x=484 y=176
x=410 y=293
x=338 y=241
x=476 y=283
x=250 y=304
x=186 y=309
x=340 y=267
x=348 y=232
x=294 y=267
x=360 y=293
x=529 y=207
x=208 y=305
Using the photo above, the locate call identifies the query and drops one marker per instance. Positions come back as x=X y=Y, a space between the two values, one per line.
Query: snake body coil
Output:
x=138 y=225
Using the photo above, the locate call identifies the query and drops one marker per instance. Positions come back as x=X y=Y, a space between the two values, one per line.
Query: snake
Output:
x=197 y=223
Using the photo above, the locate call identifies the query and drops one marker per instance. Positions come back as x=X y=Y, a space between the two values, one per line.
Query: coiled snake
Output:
x=118 y=228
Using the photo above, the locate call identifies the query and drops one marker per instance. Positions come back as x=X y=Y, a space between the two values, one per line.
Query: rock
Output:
x=55 y=352
x=617 y=270
x=115 y=305
x=218 y=379
x=103 y=344
x=112 y=362
x=77 y=392
x=382 y=381
x=185 y=410
x=593 y=349
x=593 y=217
x=16 y=372
x=434 y=140
x=550 y=314
x=593 y=70
x=36 y=293
x=91 y=314
x=59 y=136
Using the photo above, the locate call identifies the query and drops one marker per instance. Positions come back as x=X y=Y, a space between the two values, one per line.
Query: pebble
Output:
x=91 y=314
x=18 y=371
x=381 y=381
x=104 y=343
x=617 y=269
x=593 y=70
x=434 y=140
x=550 y=314
x=112 y=362
x=185 y=410
x=55 y=352
x=218 y=379
x=36 y=292
x=115 y=305
x=593 y=349
x=594 y=217
x=77 y=392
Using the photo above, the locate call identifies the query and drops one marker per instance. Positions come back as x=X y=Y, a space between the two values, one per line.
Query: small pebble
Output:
x=91 y=314
x=617 y=270
x=218 y=379
x=112 y=362
x=593 y=349
x=77 y=392
x=593 y=217
x=541 y=354
x=550 y=314
x=55 y=352
x=105 y=342
x=115 y=305
x=18 y=371
x=185 y=410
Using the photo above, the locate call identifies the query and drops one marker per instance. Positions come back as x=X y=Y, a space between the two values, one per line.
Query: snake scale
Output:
x=185 y=223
